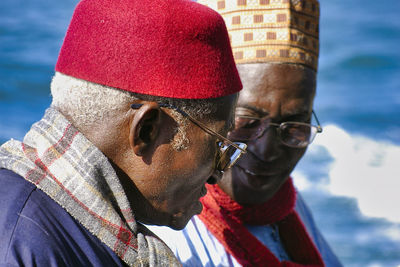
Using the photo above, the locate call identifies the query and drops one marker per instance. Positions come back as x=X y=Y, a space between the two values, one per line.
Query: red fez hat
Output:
x=168 y=48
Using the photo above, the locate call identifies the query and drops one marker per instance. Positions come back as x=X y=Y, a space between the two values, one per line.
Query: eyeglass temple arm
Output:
x=319 y=128
x=199 y=124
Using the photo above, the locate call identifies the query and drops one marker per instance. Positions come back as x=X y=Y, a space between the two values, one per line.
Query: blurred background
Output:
x=350 y=175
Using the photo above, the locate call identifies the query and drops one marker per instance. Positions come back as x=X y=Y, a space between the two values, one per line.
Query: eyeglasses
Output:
x=290 y=133
x=229 y=151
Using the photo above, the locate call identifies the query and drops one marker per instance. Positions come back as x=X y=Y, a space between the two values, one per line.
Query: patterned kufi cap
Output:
x=285 y=31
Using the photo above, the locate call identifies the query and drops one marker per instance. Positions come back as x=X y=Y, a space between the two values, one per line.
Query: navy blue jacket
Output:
x=36 y=231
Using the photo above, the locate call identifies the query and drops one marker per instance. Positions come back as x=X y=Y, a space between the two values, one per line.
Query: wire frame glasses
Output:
x=229 y=151
x=291 y=133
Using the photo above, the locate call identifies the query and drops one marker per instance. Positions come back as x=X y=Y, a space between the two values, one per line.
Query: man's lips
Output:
x=264 y=174
x=257 y=168
x=252 y=165
x=257 y=181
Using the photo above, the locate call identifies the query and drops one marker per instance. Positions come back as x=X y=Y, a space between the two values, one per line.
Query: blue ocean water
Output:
x=349 y=176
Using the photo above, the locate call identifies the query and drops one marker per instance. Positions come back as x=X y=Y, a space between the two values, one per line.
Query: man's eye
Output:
x=246 y=123
x=252 y=123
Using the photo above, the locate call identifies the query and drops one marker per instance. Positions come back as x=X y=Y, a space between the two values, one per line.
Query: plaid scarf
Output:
x=226 y=220
x=60 y=161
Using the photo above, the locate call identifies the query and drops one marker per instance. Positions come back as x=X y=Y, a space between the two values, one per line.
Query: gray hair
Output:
x=89 y=103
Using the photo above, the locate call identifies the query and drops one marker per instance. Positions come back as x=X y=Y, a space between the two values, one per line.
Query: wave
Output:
x=361 y=168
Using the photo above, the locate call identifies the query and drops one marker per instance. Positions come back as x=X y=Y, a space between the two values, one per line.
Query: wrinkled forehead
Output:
x=264 y=83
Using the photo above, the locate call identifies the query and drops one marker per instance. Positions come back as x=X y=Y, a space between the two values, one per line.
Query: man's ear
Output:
x=145 y=127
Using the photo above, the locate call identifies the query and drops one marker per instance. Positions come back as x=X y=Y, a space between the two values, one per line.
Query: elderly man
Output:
x=142 y=97
x=254 y=216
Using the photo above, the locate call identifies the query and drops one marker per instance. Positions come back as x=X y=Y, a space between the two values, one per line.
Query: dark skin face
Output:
x=283 y=92
x=163 y=185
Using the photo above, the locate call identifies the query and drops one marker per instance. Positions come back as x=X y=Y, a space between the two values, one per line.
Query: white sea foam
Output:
x=301 y=182
x=392 y=233
x=364 y=169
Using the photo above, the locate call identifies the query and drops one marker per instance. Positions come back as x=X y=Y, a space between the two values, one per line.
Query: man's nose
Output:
x=268 y=147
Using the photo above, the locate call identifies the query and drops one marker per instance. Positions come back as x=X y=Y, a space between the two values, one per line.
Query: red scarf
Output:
x=225 y=219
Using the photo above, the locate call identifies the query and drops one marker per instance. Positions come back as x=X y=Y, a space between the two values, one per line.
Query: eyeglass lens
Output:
x=229 y=155
x=248 y=129
x=294 y=134
x=297 y=134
